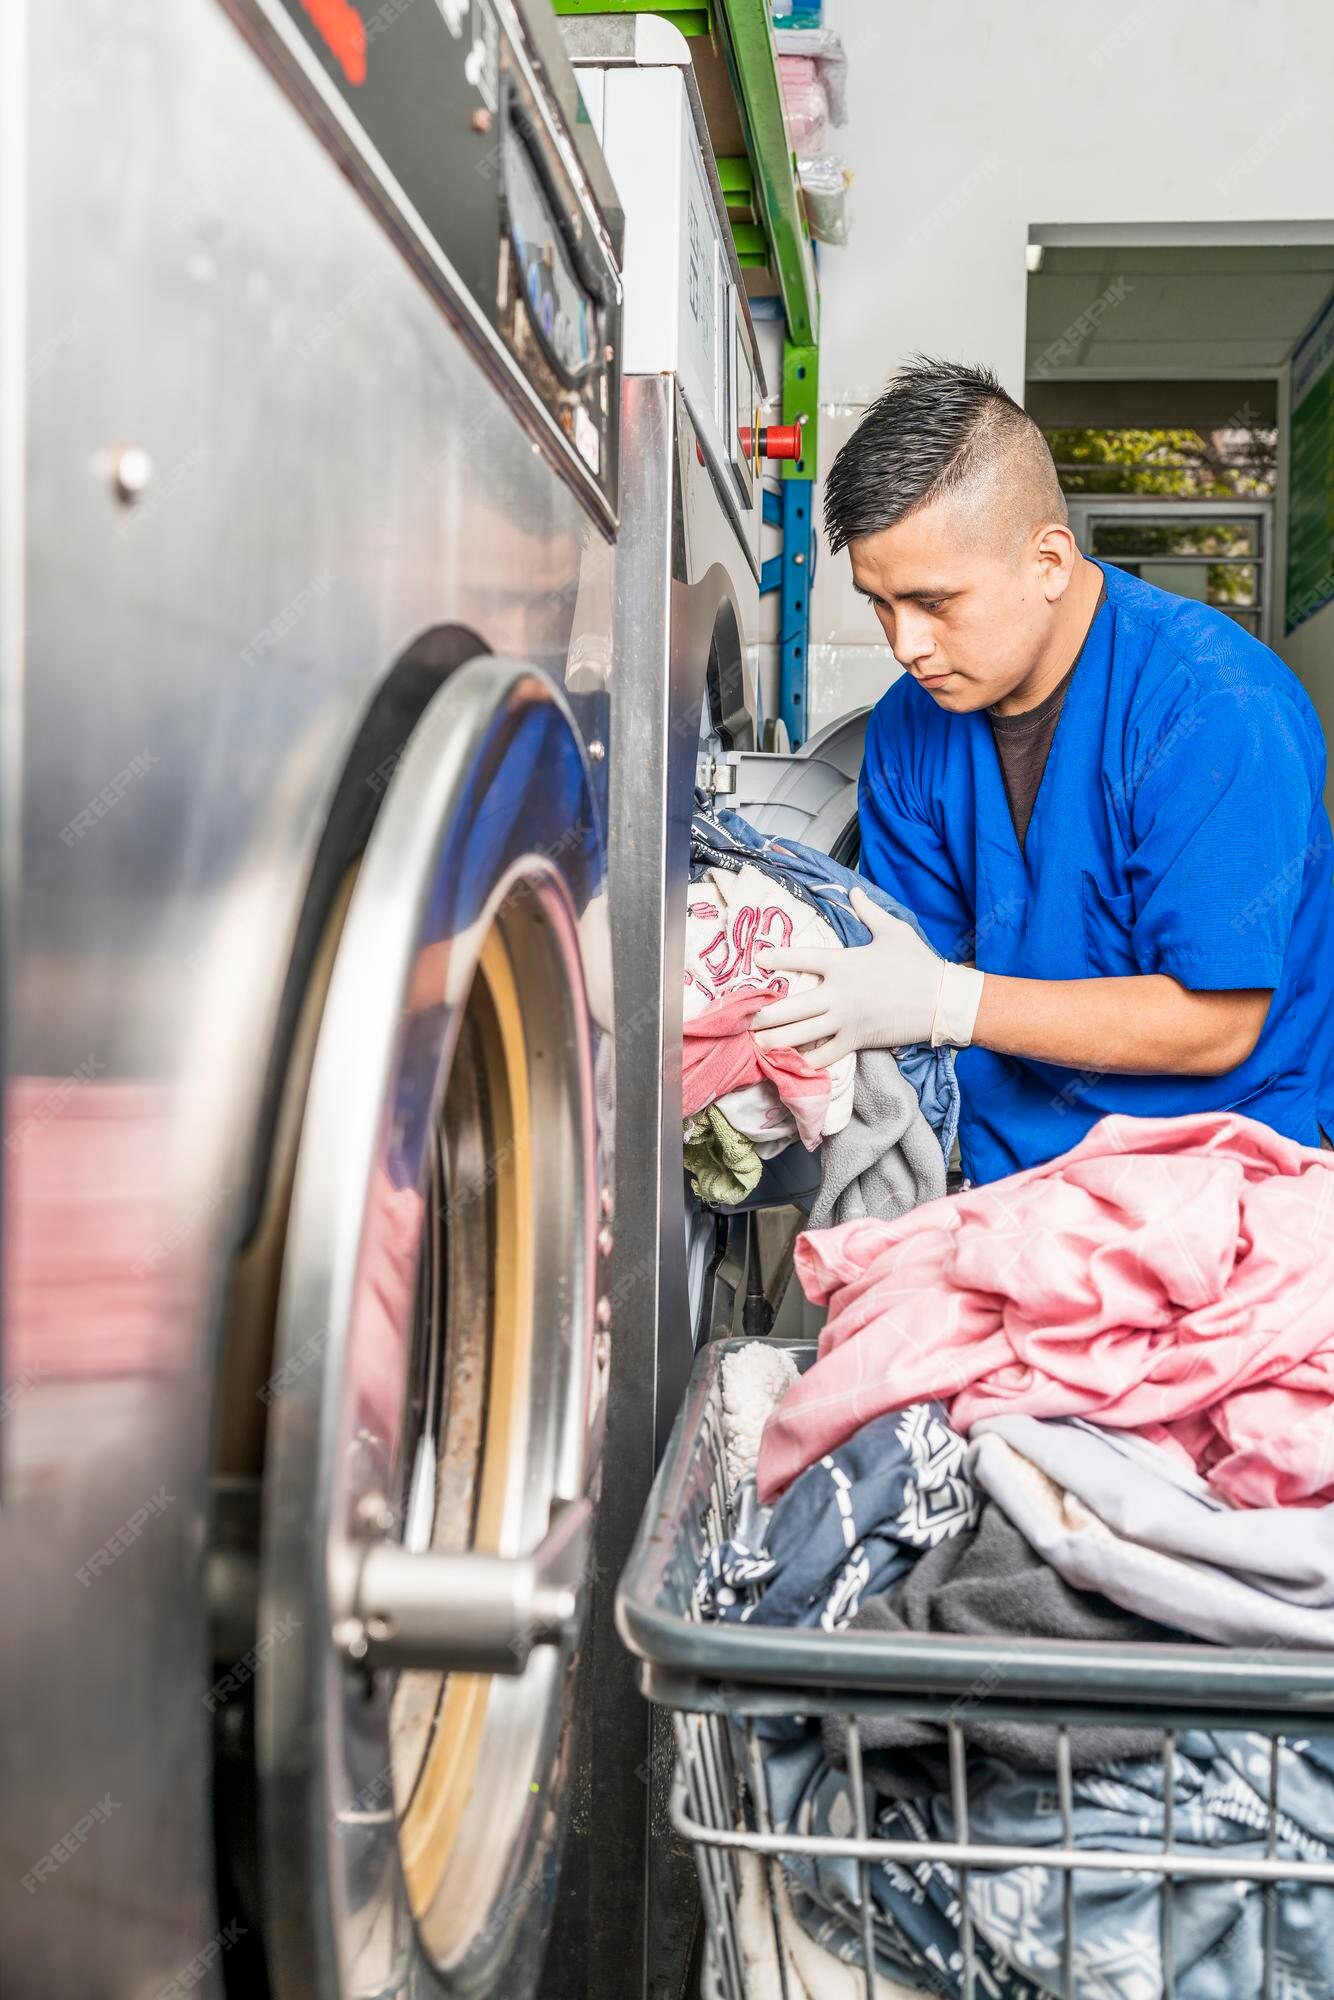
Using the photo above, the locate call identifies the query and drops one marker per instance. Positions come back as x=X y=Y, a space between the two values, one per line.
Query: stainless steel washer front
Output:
x=437 y=1381
x=266 y=482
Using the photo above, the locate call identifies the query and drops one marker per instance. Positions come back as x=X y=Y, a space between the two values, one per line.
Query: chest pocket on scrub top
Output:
x=1108 y=922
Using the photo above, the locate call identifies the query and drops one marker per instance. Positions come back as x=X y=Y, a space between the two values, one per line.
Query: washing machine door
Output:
x=435 y=1402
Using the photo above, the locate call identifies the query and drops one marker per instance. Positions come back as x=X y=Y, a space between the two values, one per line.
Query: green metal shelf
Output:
x=692 y=17
x=748 y=45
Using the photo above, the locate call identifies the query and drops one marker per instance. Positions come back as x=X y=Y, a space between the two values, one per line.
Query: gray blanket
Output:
x=988 y=1582
x=886 y=1159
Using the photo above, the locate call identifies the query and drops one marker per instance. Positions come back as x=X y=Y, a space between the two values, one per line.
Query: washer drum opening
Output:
x=431 y=1465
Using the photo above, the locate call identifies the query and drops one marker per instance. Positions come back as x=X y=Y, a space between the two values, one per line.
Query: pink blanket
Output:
x=720 y=1053
x=1171 y=1276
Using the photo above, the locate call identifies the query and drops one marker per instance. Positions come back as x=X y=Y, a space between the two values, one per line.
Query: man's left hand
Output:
x=887 y=994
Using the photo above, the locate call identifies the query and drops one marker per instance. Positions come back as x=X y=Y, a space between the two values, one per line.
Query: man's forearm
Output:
x=1147 y=1023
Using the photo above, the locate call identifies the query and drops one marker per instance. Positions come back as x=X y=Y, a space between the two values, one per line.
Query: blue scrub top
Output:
x=1179 y=827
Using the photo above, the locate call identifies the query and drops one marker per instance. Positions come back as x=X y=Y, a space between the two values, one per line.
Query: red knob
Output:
x=781 y=441
x=776 y=441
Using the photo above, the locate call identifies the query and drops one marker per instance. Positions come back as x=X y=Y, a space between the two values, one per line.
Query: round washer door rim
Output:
x=475 y=831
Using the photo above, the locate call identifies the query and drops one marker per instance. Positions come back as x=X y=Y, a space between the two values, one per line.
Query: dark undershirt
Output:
x=1023 y=742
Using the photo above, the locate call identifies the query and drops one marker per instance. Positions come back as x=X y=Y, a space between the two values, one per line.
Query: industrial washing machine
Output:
x=686 y=590
x=688 y=720
x=309 y=399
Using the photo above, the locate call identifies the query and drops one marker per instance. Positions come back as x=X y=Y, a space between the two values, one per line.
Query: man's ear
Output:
x=1056 y=553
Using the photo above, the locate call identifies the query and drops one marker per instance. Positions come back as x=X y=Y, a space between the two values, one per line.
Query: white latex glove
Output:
x=880 y=995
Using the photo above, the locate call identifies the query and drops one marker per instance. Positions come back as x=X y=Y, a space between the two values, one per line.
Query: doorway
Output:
x=1159 y=372
x=1216 y=551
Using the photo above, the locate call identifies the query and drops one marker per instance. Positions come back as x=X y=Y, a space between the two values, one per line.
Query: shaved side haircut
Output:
x=944 y=432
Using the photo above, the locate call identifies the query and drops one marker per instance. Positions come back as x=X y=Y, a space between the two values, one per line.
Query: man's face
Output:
x=966 y=620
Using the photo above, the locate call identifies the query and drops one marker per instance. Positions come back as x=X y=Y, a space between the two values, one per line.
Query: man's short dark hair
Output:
x=939 y=428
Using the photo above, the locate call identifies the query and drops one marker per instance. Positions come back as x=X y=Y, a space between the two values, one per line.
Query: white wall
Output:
x=973 y=120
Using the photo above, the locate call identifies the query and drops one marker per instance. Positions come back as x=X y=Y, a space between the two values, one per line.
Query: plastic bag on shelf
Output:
x=806 y=105
x=798 y=69
x=823 y=48
x=824 y=191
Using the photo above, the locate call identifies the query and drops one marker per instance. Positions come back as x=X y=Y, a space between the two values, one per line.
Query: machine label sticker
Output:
x=587 y=442
x=698 y=289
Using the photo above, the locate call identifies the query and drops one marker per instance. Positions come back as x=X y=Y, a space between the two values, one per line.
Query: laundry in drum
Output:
x=723 y=838
x=723 y=1164
x=883 y=1121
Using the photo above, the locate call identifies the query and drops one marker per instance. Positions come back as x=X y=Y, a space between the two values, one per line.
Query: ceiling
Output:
x=1218 y=316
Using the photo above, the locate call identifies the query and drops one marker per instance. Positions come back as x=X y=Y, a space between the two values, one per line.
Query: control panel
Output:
x=548 y=313
x=440 y=112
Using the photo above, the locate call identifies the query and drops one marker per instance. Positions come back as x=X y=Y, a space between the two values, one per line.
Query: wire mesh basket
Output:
x=1244 y=1918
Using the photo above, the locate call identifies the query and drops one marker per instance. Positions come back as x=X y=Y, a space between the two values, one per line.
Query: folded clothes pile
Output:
x=1083 y=1404
x=813 y=71
x=884 y=1121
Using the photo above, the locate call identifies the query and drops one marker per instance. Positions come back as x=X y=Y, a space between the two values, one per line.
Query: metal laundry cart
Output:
x=719 y=1680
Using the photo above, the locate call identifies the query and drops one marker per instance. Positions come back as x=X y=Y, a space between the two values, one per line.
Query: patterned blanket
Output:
x=854 y=1525
x=1219 y=1805
x=848 y=1528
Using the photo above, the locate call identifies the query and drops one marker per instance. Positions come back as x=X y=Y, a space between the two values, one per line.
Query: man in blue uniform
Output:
x=1107 y=798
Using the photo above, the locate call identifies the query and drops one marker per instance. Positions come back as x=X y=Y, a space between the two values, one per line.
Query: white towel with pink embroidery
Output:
x=729 y=917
